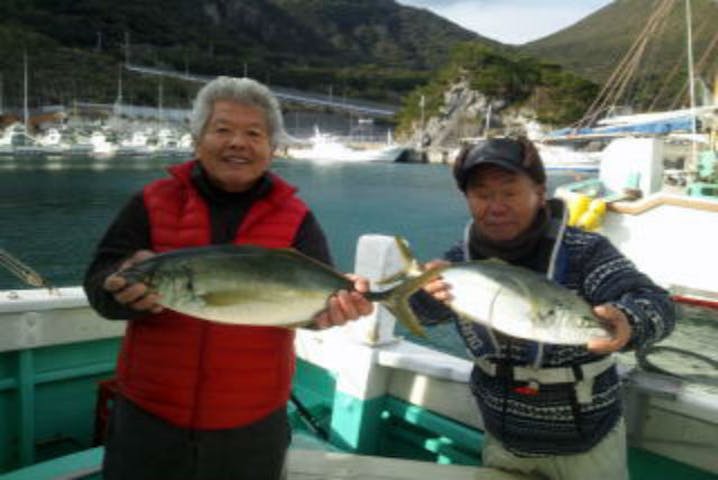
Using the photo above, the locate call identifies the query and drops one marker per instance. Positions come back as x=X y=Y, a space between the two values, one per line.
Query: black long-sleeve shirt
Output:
x=130 y=232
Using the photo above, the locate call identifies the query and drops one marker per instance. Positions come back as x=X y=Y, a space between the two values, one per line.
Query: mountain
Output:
x=373 y=48
x=594 y=46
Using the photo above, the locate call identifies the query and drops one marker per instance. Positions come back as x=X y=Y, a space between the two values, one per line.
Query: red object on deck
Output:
x=697 y=301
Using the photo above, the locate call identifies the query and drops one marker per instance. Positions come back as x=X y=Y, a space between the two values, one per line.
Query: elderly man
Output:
x=551 y=410
x=202 y=400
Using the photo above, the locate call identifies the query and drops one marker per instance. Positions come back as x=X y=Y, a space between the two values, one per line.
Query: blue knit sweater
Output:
x=552 y=422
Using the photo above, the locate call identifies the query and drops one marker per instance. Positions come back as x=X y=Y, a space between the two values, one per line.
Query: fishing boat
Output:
x=567 y=158
x=373 y=404
x=326 y=148
x=666 y=224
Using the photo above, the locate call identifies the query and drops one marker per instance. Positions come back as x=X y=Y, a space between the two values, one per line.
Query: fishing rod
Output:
x=308 y=418
x=23 y=271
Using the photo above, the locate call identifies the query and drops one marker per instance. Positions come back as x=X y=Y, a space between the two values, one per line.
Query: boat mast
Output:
x=119 y=85
x=691 y=87
x=159 y=104
x=26 y=115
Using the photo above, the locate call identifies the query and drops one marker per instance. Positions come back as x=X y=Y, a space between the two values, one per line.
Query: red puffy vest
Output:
x=197 y=374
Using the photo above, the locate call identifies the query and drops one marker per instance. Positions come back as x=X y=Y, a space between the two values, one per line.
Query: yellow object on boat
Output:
x=593 y=217
x=577 y=206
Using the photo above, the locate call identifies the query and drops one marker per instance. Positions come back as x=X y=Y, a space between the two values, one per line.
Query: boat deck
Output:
x=304 y=464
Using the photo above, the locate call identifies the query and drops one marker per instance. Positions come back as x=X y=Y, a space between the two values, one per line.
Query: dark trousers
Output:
x=141 y=446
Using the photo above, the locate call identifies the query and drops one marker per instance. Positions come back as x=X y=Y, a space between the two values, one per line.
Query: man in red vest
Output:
x=197 y=399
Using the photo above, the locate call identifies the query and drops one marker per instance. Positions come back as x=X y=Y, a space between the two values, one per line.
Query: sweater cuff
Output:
x=636 y=334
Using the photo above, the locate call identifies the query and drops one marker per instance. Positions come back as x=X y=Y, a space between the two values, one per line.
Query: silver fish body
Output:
x=520 y=303
x=241 y=285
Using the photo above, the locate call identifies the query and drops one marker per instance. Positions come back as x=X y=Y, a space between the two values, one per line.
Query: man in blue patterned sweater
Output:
x=549 y=410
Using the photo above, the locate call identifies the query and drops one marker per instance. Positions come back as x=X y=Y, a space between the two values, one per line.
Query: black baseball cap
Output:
x=516 y=154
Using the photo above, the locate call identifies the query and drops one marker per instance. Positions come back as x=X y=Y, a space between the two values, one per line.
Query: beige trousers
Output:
x=605 y=461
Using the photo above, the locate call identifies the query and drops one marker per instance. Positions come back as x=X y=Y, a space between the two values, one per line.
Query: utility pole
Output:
x=119 y=85
x=422 y=103
x=127 y=47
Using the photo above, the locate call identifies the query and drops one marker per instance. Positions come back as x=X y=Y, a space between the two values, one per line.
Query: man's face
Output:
x=503 y=203
x=234 y=147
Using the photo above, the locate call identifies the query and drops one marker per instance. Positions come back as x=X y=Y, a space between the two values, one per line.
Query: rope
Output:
x=22 y=271
x=681 y=62
x=699 y=66
x=614 y=87
x=649 y=366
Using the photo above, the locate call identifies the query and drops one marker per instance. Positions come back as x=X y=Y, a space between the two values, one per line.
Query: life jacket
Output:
x=197 y=374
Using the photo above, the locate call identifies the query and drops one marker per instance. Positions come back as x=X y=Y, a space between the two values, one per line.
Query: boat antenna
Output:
x=23 y=271
x=691 y=87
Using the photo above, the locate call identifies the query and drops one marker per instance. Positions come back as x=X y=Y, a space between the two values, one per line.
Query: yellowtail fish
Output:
x=516 y=301
x=249 y=285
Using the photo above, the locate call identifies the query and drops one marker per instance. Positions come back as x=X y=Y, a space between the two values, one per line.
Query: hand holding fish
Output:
x=617 y=323
x=345 y=306
x=437 y=287
x=135 y=295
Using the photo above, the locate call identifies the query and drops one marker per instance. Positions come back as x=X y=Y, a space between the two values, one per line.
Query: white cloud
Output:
x=511 y=21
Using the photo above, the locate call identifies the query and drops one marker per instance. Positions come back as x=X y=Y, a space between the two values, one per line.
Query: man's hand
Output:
x=134 y=295
x=437 y=287
x=617 y=324
x=345 y=306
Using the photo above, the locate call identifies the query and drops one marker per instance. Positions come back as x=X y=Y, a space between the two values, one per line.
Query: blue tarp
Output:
x=676 y=124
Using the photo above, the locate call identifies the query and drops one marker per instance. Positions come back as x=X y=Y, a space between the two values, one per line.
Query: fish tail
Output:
x=411 y=265
x=22 y=271
x=396 y=300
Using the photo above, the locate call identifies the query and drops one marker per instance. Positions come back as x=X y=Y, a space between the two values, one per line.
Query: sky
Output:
x=511 y=21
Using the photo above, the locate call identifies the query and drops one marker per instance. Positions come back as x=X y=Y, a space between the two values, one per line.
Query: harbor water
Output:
x=54 y=210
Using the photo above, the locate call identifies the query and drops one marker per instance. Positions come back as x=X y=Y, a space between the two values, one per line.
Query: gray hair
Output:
x=244 y=91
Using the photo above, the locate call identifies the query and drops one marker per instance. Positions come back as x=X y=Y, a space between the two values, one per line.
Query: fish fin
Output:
x=300 y=324
x=397 y=277
x=495 y=260
x=396 y=300
x=402 y=311
x=411 y=265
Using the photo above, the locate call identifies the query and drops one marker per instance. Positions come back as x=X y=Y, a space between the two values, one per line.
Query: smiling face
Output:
x=503 y=203
x=235 y=148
